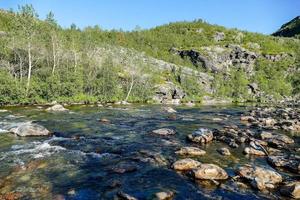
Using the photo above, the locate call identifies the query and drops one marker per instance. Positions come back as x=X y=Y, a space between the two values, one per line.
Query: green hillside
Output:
x=42 y=62
x=290 y=29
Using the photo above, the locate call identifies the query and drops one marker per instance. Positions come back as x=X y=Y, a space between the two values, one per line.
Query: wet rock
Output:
x=291 y=163
x=291 y=189
x=259 y=177
x=247 y=119
x=169 y=110
x=123 y=196
x=192 y=151
x=185 y=164
x=56 y=108
x=165 y=195
x=209 y=172
x=29 y=129
x=122 y=168
x=152 y=157
x=224 y=151
x=164 y=131
x=2 y=110
x=278 y=140
x=201 y=135
x=253 y=151
x=256 y=148
x=104 y=120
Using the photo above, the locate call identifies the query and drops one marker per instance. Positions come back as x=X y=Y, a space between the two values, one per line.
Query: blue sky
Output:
x=264 y=16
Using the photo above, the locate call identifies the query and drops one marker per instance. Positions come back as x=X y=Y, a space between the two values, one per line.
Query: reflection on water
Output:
x=87 y=159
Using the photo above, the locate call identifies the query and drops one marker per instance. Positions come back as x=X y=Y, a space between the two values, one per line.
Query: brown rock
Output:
x=185 y=164
x=209 y=172
x=192 y=151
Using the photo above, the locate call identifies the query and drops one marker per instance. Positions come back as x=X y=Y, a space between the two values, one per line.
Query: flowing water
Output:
x=82 y=158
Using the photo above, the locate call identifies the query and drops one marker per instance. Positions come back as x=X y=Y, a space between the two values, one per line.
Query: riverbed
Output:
x=86 y=158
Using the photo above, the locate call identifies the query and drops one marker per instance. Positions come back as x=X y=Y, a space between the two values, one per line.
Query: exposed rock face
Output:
x=219 y=59
x=219 y=36
x=291 y=189
x=168 y=93
x=164 y=131
x=209 y=172
x=260 y=178
x=192 y=151
x=201 y=135
x=29 y=129
x=185 y=164
x=56 y=108
x=196 y=58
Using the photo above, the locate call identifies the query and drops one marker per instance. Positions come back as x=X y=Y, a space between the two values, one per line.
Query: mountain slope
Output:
x=290 y=29
x=177 y=62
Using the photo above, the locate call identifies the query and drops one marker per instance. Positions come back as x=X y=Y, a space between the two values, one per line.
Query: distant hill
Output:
x=290 y=29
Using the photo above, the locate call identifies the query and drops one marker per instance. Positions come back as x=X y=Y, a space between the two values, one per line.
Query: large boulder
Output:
x=259 y=177
x=202 y=136
x=291 y=163
x=29 y=129
x=185 y=164
x=192 y=151
x=209 y=172
x=56 y=108
x=278 y=140
x=291 y=189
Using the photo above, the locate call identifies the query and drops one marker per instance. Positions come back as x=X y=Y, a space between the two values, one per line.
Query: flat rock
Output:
x=29 y=129
x=201 y=136
x=56 y=108
x=259 y=177
x=291 y=189
x=291 y=163
x=253 y=151
x=164 y=131
x=209 y=172
x=192 y=151
x=185 y=164
x=169 y=110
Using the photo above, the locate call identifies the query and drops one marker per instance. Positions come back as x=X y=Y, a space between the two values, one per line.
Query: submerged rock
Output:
x=164 y=131
x=56 y=108
x=185 y=164
x=224 y=151
x=29 y=129
x=291 y=189
x=259 y=177
x=192 y=151
x=201 y=135
x=209 y=172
